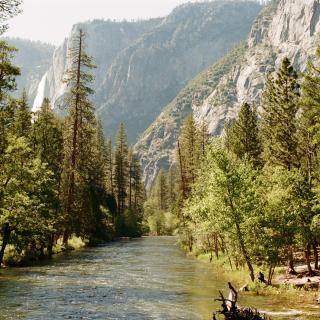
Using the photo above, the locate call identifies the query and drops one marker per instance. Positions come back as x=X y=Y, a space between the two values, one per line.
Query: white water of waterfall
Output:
x=40 y=94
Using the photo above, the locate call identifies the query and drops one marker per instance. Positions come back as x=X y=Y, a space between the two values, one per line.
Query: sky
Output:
x=51 y=20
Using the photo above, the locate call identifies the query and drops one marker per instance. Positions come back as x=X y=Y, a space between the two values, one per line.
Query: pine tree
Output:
x=279 y=117
x=121 y=167
x=80 y=127
x=204 y=137
x=243 y=135
x=22 y=119
x=130 y=177
x=137 y=186
x=8 y=73
x=108 y=166
x=172 y=190
x=189 y=151
x=161 y=190
x=309 y=143
x=47 y=138
x=309 y=122
x=47 y=142
x=279 y=123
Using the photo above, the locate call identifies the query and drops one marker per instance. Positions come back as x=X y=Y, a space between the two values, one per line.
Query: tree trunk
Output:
x=270 y=275
x=307 y=256
x=245 y=253
x=65 y=238
x=316 y=255
x=291 y=269
x=183 y=184
x=190 y=242
x=75 y=133
x=50 y=246
x=223 y=246
x=6 y=237
x=216 y=247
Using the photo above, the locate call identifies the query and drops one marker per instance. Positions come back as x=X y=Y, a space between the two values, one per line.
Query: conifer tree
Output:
x=309 y=143
x=309 y=122
x=189 y=150
x=243 y=135
x=161 y=190
x=138 y=192
x=108 y=166
x=22 y=119
x=121 y=167
x=130 y=177
x=80 y=127
x=172 y=192
x=47 y=142
x=8 y=73
x=279 y=123
x=47 y=138
x=279 y=117
x=204 y=137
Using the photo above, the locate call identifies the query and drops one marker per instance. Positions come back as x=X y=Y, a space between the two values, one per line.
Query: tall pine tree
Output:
x=279 y=117
x=121 y=167
x=80 y=127
x=243 y=135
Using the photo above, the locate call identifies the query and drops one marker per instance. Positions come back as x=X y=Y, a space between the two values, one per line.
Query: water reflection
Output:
x=148 y=278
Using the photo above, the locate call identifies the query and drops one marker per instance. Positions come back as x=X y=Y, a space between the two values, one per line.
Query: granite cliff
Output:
x=283 y=28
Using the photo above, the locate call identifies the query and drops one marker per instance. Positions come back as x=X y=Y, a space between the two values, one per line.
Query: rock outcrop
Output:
x=283 y=28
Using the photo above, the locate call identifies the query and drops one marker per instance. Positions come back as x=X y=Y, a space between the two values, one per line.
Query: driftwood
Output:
x=231 y=311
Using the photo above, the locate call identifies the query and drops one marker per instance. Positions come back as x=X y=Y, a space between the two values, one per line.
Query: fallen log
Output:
x=231 y=311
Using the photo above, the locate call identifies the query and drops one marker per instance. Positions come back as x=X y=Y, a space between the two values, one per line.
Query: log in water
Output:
x=148 y=278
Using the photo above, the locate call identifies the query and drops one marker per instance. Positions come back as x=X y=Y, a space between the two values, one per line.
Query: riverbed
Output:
x=147 y=278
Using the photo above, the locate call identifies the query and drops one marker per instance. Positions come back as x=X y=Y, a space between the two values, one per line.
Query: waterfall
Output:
x=40 y=94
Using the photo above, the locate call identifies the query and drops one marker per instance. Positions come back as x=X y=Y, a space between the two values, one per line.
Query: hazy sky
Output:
x=51 y=20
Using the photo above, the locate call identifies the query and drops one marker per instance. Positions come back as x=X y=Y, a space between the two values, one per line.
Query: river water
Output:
x=148 y=278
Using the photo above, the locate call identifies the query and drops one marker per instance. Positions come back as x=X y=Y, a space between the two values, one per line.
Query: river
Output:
x=148 y=278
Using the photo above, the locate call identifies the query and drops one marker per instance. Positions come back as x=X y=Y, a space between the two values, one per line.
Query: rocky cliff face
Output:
x=143 y=65
x=284 y=28
x=105 y=40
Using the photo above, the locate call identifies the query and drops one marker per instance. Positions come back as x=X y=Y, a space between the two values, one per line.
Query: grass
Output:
x=240 y=278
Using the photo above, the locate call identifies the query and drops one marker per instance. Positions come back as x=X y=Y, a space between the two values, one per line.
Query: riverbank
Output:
x=300 y=289
x=13 y=258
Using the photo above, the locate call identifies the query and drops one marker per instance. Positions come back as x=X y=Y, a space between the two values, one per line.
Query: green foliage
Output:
x=158 y=222
x=242 y=137
x=8 y=71
x=249 y=210
x=279 y=117
x=121 y=168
